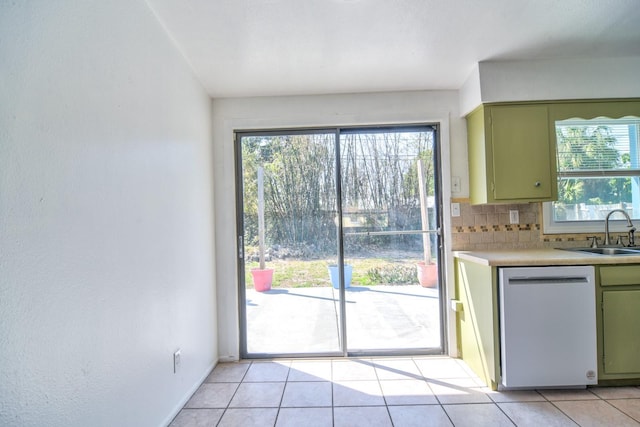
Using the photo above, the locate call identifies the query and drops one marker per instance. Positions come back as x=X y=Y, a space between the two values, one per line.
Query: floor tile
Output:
x=353 y=370
x=357 y=393
x=212 y=395
x=630 y=407
x=228 y=373
x=396 y=369
x=557 y=395
x=477 y=414
x=197 y=418
x=317 y=370
x=616 y=392
x=458 y=390
x=307 y=394
x=407 y=392
x=307 y=417
x=249 y=417
x=441 y=368
x=534 y=414
x=516 y=396
x=372 y=416
x=267 y=371
x=419 y=416
x=595 y=413
x=258 y=395
x=398 y=391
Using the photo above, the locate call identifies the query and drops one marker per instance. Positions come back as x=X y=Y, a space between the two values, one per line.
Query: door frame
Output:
x=440 y=238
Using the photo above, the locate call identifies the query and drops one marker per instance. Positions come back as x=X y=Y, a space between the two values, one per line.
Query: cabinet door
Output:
x=621 y=331
x=477 y=322
x=522 y=159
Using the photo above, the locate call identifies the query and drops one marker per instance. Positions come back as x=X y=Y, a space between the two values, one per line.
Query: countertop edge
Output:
x=542 y=257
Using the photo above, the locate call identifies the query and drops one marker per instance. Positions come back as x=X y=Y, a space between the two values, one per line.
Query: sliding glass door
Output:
x=287 y=232
x=389 y=230
x=338 y=244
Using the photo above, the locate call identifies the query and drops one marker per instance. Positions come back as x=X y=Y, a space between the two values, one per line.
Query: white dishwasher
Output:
x=547 y=327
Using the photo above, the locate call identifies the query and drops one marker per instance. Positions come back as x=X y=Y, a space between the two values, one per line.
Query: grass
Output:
x=293 y=273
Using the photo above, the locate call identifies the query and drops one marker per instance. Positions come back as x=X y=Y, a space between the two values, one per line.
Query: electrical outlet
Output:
x=176 y=360
x=455 y=209
x=514 y=217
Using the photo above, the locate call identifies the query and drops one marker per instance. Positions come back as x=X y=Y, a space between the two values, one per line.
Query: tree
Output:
x=584 y=148
x=379 y=183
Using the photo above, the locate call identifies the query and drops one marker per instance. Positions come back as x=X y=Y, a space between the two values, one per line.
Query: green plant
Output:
x=394 y=274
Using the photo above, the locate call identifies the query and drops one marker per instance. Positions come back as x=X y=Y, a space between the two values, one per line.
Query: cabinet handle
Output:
x=537 y=184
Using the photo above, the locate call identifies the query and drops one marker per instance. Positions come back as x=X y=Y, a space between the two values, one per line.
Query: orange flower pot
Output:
x=427 y=275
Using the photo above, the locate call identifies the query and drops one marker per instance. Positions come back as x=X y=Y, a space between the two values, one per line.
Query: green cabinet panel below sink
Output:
x=618 y=317
x=621 y=332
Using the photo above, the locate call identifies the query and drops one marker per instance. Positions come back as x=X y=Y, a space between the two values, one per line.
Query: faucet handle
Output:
x=594 y=241
x=632 y=240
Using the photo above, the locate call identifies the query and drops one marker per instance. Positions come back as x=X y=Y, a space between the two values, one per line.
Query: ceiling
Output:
x=292 y=47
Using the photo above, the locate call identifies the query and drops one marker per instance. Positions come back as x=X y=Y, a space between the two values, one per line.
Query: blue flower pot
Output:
x=335 y=276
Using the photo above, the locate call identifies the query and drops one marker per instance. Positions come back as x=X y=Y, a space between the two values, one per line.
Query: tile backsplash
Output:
x=487 y=227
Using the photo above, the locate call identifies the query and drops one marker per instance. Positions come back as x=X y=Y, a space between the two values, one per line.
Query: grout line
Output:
x=502 y=410
x=234 y=393
x=559 y=409
x=333 y=403
x=284 y=389
x=384 y=398
x=620 y=410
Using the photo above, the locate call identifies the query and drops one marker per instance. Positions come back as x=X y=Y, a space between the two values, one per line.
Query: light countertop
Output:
x=542 y=257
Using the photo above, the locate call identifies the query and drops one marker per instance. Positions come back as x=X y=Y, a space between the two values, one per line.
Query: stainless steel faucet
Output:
x=607 y=237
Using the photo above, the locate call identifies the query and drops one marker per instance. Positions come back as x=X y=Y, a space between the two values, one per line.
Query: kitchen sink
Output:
x=607 y=251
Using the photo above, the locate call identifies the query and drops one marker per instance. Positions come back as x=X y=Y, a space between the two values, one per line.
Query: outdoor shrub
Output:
x=395 y=274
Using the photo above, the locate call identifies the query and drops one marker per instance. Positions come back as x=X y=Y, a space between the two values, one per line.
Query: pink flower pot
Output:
x=262 y=279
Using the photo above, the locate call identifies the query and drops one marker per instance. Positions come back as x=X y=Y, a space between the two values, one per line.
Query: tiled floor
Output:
x=418 y=391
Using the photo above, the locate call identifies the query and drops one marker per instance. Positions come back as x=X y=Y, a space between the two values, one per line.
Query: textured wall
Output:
x=106 y=217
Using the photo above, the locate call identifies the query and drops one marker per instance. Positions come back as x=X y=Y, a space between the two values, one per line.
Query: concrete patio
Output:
x=305 y=320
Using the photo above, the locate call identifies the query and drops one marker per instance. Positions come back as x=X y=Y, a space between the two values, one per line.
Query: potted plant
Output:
x=262 y=277
x=427 y=269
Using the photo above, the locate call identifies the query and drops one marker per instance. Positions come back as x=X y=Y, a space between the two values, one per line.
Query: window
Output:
x=598 y=170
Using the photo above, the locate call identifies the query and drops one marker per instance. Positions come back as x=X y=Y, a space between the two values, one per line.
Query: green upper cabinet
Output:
x=511 y=154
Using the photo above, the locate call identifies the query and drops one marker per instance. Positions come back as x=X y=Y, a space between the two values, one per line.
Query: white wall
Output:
x=106 y=217
x=307 y=111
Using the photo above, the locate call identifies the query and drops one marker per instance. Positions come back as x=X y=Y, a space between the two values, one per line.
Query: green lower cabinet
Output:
x=619 y=323
x=477 y=319
x=621 y=332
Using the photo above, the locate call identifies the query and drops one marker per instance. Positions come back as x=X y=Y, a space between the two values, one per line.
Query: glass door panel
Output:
x=390 y=218
x=289 y=232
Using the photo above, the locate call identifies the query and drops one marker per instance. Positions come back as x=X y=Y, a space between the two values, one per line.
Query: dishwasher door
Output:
x=548 y=327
